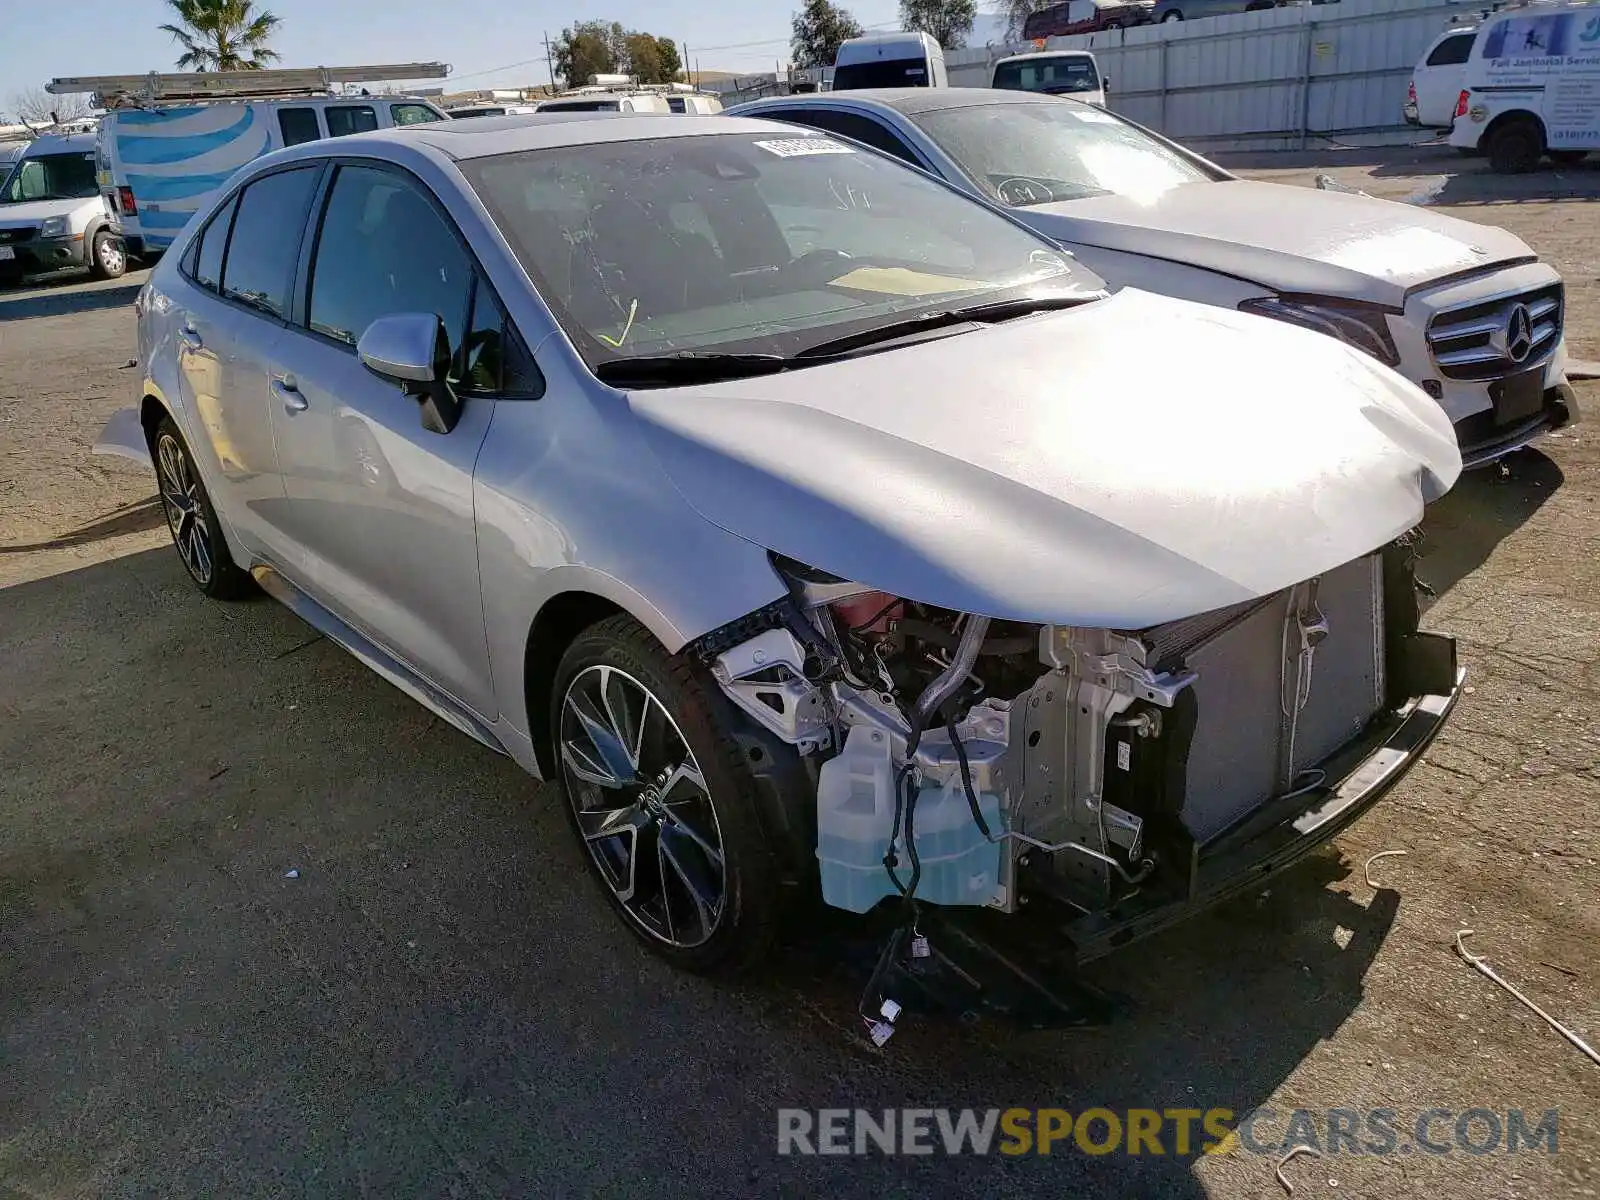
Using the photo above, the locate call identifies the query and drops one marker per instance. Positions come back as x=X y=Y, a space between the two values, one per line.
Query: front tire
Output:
x=196 y=532
x=1515 y=145
x=108 y=257
x=662 y=801
x=1174 y=15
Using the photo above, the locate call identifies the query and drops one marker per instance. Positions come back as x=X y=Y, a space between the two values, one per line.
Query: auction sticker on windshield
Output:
x=796 y=147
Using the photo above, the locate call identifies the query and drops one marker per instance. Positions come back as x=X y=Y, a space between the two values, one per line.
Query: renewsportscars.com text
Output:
x=1179 y=1132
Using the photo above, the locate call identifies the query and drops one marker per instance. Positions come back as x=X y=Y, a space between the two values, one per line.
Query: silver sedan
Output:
x=805 y=520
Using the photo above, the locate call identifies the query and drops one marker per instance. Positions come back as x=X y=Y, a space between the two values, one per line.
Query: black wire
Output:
x=966 y=780
x=876 y=617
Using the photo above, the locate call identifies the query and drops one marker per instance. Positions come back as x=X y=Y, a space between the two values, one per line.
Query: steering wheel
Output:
x=1019 y=192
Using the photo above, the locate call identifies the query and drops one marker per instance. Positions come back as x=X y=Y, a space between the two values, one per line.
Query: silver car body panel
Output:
x=993 y=472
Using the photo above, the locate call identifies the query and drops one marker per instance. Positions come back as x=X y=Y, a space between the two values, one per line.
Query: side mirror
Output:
x=1105 y=83
x=413 y=350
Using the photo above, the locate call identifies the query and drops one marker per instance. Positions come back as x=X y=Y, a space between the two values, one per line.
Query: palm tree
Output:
x=216 y=35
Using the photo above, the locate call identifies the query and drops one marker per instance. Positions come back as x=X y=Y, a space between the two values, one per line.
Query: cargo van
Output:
x=1532 y=86
x=889 y=60
x=168 y=142
x=1055 y=73
x=52 y=215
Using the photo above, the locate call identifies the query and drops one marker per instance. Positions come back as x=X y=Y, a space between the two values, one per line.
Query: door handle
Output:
x=190 y=337
x=285 y=391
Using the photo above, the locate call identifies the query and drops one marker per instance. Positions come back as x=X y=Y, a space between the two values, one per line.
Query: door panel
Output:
x=224 y=384
x=377 y=512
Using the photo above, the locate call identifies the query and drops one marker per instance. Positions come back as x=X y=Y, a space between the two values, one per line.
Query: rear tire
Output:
x=108 y=257
x=1515 y=145
x=196 y=532
x=663 y=801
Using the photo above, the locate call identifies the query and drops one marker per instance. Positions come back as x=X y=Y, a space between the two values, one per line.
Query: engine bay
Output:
x=958 y=760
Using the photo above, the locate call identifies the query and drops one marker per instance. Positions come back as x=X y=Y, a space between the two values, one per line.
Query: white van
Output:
x=52 y=215
x=1072 y=73
x=889 y=60
x=1437 y=77
x=167 y=142
x=604 y=100
x=1532 y=86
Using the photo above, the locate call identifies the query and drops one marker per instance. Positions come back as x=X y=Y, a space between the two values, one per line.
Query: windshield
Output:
x=1034 y=153
x=52 y=177
x=749 y=243
x=1068 y=73
x=883 y=72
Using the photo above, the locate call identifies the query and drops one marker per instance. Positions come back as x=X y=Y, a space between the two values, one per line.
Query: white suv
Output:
x=52 y=216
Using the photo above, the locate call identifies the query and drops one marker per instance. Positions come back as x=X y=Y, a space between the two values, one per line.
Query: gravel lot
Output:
x=440 y=1004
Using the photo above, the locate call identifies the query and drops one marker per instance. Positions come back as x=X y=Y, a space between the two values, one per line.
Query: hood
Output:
x=1053 y=469
x=1290 y=239
x=33 y=212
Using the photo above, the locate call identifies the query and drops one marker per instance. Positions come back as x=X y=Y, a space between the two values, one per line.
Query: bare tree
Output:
x=34 y=105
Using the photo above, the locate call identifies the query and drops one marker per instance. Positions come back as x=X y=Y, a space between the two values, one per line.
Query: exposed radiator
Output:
x=1249 y=663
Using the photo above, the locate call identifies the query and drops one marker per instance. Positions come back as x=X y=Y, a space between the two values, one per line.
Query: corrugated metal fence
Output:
x=1279 y=78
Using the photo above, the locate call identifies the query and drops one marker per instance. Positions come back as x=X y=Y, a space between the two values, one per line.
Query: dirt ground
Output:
x=440 y=1005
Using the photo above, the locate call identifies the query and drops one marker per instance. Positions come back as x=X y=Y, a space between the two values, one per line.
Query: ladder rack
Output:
x=119 y=91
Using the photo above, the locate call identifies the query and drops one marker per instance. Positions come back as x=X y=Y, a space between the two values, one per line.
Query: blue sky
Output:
x=475 y=37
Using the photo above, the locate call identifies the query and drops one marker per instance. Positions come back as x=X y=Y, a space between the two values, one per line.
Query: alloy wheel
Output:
x=642 y=807
x=180 y=499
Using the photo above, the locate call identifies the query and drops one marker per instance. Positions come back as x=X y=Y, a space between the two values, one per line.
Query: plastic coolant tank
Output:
x=855 y=819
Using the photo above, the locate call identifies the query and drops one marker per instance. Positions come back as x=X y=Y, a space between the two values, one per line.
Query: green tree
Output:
x=818 y=29
x=949 y=21
x=651 y=59
x=589 y=48
x=223 y=35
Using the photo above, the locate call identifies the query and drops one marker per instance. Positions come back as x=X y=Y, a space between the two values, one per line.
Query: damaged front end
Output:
x=1117 y=780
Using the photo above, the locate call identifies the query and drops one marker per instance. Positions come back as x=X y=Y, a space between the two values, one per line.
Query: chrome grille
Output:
x=1497 y=337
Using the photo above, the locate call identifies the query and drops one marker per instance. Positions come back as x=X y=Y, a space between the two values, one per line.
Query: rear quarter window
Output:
x=1452 y=51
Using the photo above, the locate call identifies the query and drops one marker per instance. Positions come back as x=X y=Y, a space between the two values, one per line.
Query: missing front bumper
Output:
x=1281 y=833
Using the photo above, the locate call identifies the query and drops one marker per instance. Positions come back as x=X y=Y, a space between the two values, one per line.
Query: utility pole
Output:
x=549 y=61
x=683 y=57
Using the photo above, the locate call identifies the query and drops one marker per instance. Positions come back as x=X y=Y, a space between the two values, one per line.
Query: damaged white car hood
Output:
x=1122 y=464
x=1290 y=239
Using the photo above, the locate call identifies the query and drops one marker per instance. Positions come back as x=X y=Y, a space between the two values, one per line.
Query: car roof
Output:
x=1044 y=54
x=59 y=143
x=909 y=101
x=484 y=137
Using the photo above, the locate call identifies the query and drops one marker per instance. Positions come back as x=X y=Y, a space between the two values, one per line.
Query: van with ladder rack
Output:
x=168 y=142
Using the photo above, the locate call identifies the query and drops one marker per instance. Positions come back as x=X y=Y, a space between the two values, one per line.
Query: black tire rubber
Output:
x=97 y=267
x=749 y=930
x=1469 y=151
x=228 y=581
x=1515 y=145
x=1568 y=158
x=1174 y=15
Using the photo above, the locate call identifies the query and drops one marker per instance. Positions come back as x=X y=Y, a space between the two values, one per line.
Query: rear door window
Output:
x=213 y=244
x=416 y=114
x=345 y=119
x=298 y=125
x=1452 y=51
x=266 y=239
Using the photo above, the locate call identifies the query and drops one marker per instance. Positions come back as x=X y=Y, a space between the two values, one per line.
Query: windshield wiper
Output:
x=994 y=310
x=689 y=366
